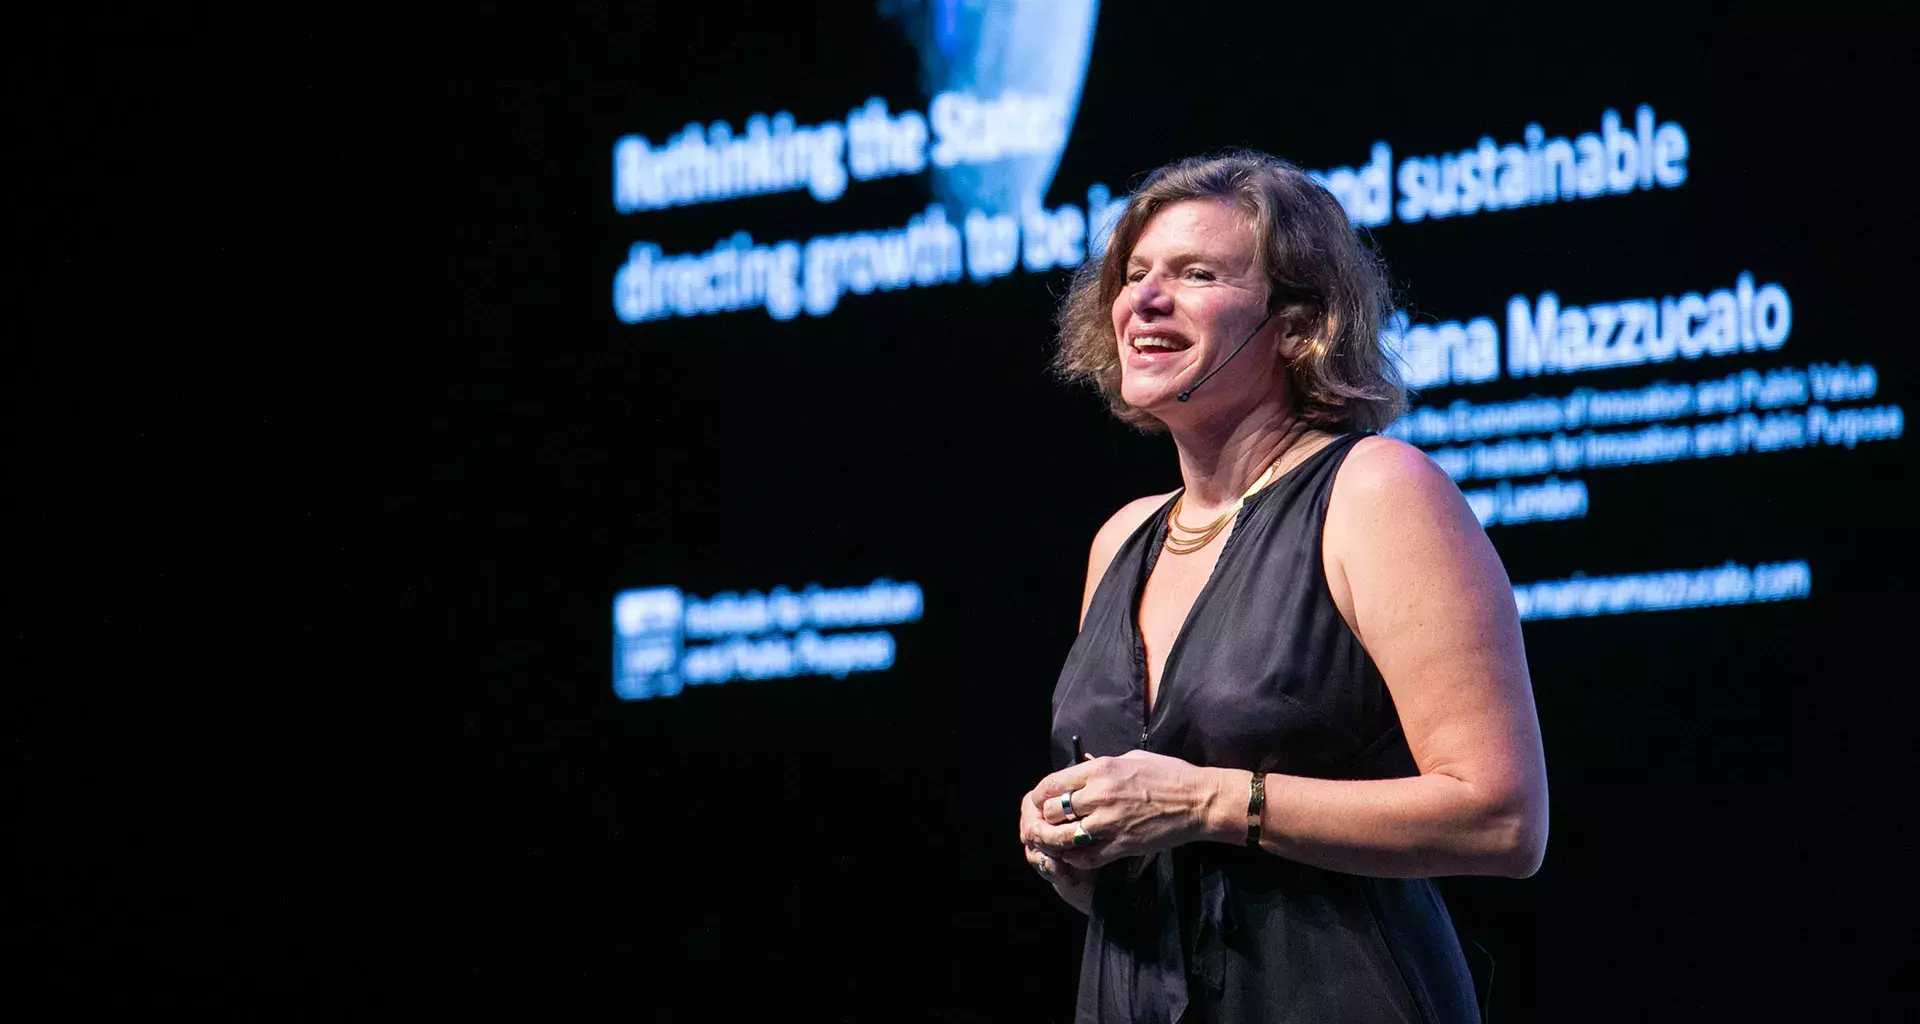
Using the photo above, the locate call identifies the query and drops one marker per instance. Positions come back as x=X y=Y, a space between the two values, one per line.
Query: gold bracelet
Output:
x=1256 y=802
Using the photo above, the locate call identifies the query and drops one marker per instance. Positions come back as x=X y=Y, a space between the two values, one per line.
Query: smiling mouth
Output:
x=1159 y=343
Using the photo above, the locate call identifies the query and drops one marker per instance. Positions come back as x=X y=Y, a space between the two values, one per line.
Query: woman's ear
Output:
x=1293 y=341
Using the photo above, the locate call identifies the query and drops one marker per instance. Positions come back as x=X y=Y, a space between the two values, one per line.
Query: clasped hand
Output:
x=1137 y=803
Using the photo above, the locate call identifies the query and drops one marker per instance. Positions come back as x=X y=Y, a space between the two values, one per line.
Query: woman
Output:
x=1299 y=679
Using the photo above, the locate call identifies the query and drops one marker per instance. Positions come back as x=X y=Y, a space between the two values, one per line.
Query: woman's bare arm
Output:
x=1414 y=574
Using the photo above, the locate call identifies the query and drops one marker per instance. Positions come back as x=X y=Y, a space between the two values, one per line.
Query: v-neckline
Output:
x=1157 y=541
x=1158 y=538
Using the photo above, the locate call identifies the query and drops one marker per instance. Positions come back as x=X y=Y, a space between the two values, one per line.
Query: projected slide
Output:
x=1535 y=405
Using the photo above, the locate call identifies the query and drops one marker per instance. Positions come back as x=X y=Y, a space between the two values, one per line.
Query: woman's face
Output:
x=1193 y=293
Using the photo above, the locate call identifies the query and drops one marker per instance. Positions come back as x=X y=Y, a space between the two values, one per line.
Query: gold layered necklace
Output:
x=1200 y=537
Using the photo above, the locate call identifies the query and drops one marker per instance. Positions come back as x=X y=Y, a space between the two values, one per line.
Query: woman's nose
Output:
x=1147 y=294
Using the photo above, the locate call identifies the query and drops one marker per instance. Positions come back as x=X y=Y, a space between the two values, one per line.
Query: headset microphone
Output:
x=1187 y=393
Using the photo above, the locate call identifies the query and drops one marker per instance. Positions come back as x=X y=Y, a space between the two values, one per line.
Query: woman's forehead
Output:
x=1195 y=226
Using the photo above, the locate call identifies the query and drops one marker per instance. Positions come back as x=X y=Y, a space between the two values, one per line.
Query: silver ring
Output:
x=1066 y=806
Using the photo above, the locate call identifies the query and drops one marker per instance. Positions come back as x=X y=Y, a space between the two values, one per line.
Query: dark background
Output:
x=320 y=537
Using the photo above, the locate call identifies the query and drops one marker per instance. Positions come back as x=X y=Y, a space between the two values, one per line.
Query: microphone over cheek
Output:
x=1186 y=393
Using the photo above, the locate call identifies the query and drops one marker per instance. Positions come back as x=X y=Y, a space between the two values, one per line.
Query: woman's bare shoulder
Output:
x=1378 y=451
x=1121 y=524
x=1388 y=495
x=1113 y=533
x=1385 y=469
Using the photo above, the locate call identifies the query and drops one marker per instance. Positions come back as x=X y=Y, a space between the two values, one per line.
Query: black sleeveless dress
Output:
x=1264 y=675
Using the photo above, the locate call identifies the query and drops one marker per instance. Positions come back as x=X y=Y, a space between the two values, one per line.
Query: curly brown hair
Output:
x=1327 y=284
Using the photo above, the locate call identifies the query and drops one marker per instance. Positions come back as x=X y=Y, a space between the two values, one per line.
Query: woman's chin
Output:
x=1149 y=396
x=1156 y=385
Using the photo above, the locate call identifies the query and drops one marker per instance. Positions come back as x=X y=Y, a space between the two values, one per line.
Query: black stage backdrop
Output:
x=1714 y=582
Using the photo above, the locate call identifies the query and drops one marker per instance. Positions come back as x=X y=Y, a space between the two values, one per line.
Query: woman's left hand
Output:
x=1134 y=804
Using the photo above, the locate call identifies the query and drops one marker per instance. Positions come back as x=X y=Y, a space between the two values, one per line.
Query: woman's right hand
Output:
x=1074 y=885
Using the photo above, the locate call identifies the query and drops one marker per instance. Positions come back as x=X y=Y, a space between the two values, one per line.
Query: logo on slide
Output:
x=647 y=626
